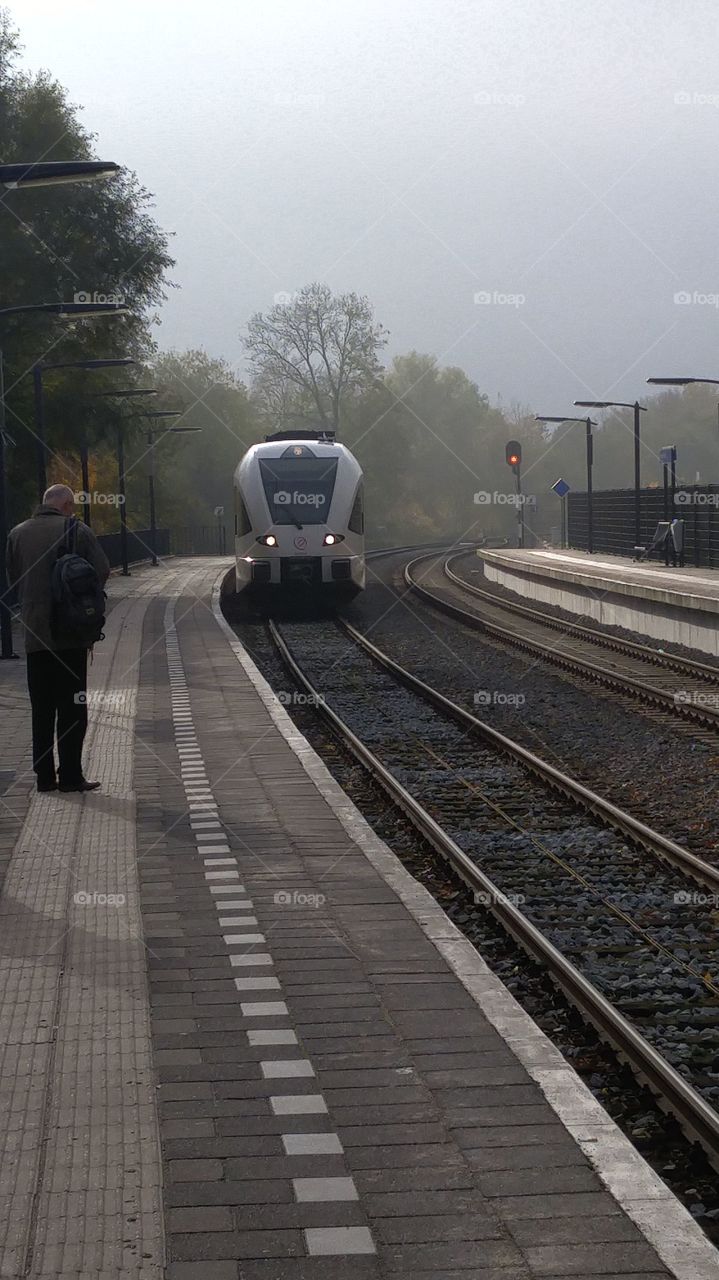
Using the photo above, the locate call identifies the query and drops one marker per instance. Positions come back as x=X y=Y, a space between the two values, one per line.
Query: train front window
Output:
x=298 y=490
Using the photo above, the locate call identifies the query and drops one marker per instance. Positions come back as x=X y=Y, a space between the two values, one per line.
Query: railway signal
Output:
x=513 y=456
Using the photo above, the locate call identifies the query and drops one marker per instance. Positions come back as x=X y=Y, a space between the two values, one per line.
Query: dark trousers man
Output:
x=57 y=682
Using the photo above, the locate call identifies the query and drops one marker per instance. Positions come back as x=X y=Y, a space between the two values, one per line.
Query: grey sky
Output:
x=423 y=151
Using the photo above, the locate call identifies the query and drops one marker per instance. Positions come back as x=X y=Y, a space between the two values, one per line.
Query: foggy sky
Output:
x=423 y=152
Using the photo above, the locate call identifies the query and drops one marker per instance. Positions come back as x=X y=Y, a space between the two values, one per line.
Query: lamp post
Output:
x=6 y=649
x=16 y=177
x=160 y=413
x=63 y=310
x=685 y=382
x=84 y=458
x=50 y=173
x=638 y=410
x=39 y=370
x=124 y=393
x=589 y=423
x=67 y=311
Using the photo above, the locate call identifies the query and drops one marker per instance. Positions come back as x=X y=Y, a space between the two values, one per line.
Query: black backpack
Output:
x=78 y=600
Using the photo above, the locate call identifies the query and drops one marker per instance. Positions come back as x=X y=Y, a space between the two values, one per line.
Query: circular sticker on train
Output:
x=301 y=544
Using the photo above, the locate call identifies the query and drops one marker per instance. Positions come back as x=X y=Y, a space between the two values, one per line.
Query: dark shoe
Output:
x=82 y=785
x=47 y=786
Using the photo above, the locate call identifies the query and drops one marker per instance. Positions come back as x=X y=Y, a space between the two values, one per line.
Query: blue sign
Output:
x=668 y=455
x=561 y=488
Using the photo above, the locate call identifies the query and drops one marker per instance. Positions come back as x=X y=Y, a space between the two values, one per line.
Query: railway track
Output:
x=680 y=686
x=508 y=825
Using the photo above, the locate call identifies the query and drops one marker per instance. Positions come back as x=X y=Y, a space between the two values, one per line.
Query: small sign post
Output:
x=561 y=488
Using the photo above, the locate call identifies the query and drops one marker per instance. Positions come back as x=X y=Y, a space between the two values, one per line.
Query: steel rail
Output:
x=574 y=664
x=682 y=666
x=697 y=1118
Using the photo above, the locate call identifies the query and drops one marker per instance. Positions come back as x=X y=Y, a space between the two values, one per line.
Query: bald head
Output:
x=61 y=497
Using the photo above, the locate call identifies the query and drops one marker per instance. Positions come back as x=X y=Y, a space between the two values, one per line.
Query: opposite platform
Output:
x=240 y=1041
x=676 y=605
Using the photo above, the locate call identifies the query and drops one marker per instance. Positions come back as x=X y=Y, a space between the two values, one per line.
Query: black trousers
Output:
x=57 y=682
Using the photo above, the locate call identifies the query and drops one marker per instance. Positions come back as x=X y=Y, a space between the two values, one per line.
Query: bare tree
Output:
x=310 y=353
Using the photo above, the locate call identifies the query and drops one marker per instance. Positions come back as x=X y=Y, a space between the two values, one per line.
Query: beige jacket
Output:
x=31 y=553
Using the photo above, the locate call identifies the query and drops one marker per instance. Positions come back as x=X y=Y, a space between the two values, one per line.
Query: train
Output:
x=299 y=517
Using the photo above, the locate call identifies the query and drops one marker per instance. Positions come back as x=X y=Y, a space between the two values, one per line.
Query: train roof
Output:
x=328 y=436
x=287 y=446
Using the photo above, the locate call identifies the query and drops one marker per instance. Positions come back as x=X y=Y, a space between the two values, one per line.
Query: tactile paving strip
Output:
x=259 y=991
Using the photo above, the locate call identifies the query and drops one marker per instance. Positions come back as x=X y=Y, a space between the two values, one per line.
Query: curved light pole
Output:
x=685 y=382
x=50 y=173
x=69 y=311
x=39 y=370
x=638 y=410
x=15 y=177
x=64 y=311
x=151 y=432
x=589 y=423
x=124 y=393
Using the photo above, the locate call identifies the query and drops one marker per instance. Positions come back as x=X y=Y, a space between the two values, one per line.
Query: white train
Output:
x=299 y=515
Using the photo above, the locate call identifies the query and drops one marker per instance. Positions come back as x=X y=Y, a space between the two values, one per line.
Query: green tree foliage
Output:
x=56 y=242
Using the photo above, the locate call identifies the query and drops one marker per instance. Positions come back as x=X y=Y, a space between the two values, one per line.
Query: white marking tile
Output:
x=279 y=1070
x=242 y=939
x=225 y=888
x=227 y=922
x=217 y=848
x=257 y=984
x=242 y=904
x=298 y=1104
x=312 y=1144
x=264 y=1009
x=338 y=1241
x=214 y=834
x=279 y=1036
x=320 y=1190
x=256 y=958
x=222 y=875
x=218 y=862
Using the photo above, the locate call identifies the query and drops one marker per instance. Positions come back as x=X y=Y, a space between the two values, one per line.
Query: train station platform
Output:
x=671 y=604
x=240 y=1042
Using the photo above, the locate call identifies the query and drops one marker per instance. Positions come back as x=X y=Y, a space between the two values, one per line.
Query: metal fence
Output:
x=613 y=520
x=199 y=540
x=139 y=545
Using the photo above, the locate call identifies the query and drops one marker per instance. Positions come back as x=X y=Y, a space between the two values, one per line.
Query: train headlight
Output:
x=330 y=539
x=268 y=540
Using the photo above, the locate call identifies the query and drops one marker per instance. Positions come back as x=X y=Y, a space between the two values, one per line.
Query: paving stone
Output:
x=578 y=1204
x=227 y=1192
x=194 y=1170
x=200 y=1219
x=419 y=1229
x=582 y=1230
x=609 y=1260
x=196 y=1246
x=532 y=1181
x=408 y=1258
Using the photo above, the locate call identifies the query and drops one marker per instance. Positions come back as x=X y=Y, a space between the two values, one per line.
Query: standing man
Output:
x=56 y=673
